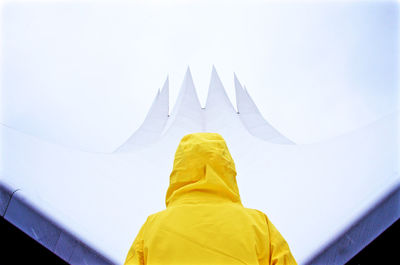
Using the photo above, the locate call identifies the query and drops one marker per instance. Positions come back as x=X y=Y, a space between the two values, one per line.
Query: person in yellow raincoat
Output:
x=205 y=221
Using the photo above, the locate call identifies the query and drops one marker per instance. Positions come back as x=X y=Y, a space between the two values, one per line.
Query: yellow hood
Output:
x=204 y=171
x=205 y=222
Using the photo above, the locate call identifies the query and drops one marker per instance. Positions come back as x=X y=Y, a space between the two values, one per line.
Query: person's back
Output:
x=205 y=222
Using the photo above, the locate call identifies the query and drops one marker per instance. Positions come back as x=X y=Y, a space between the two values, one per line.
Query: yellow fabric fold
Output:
x=205 y=221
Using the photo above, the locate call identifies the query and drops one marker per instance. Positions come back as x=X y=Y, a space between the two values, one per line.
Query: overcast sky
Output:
x=85 y=74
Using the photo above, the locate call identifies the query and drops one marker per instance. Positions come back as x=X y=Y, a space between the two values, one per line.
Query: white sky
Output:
x=85 y=74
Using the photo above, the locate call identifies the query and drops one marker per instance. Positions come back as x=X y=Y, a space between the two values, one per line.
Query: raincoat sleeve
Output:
x=279 y=249
x=135 y=255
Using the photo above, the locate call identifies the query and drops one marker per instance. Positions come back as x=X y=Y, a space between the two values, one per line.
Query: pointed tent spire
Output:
x=187 y=108
x=166 y=84
x=164 y=97
x=239 y=91
x=217 y=97
x=153 y=124
x=244 y=102
x=252 y=118
x=220 y=114
x=187 y=94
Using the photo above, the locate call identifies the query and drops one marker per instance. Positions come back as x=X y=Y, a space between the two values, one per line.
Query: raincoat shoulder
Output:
x=204 y=221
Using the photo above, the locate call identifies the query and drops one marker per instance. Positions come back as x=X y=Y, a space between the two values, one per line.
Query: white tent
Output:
x=329 y=198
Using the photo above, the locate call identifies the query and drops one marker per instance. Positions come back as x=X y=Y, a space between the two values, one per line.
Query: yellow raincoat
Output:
x=205 y=221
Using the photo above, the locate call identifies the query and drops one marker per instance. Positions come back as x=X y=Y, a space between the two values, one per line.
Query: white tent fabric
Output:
x=79 y=75
x=313 y=193
x=154 y=123
x=252 y=118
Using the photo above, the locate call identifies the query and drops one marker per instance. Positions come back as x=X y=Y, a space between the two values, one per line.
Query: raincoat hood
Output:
x=203 y=172
x=205 y=221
